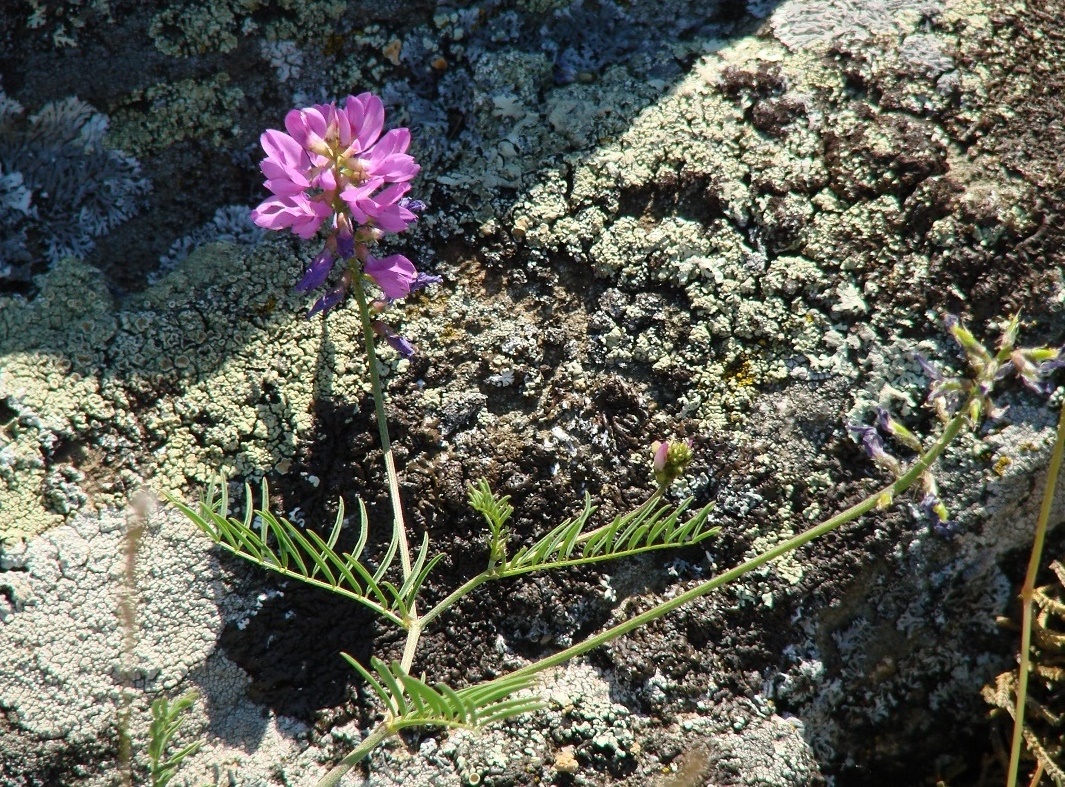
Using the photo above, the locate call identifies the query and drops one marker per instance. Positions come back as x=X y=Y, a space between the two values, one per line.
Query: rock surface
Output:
x=736 y=222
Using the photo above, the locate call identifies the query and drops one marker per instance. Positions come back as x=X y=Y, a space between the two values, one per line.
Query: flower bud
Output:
x=1009 y=336
x=671 y=459
x=892 y=427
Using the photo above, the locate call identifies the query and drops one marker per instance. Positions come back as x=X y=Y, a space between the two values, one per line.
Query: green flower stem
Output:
x=911 y=476
x=382 y=424
x=369 y=743
x=1027 y=593
x=412 y=622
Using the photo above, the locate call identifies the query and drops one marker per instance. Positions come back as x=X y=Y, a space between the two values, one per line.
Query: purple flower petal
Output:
x=313 y=127
x=389 y=159
x=328 y=301
x=394 y=340
x=303 y=216
x=393 y=274
x=423 y=280
x=366 y=117
x=413 y=205
x=384 y=210
x=318 y=271
x=661 y=451
x=345 y=244
x=283 y=149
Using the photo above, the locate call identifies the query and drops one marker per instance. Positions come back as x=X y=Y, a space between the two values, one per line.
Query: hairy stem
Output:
x=1027 y=594
x=911 y=476
x=369 y=743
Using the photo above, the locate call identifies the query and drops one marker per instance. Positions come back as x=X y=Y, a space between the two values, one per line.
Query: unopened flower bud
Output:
x=978 y=354
x=671 y=459
x=892 y=427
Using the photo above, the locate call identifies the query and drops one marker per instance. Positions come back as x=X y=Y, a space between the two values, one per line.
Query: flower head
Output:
x=331 y=156
x=338 y=162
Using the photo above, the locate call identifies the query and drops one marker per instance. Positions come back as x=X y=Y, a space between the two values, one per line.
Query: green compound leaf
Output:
x=275 y=543
x=411 y=702
x=654 y=525
x=167 y=718
x=496 y=511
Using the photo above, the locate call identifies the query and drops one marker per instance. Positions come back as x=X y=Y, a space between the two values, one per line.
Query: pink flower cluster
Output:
x=335 y=165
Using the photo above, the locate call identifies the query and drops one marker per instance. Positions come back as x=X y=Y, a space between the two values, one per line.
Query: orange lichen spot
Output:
x=999 y=468
x=393 y=50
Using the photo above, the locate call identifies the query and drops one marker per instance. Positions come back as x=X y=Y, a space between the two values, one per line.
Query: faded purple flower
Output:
x=394 y=340
x=423 y=280
x=329 y=300
x=890 y=426
x=1032 y=366
x=873 y=445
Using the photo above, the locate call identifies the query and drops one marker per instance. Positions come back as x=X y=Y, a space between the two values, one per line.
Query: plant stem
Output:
x=445 y=604
x=953 y=428
x=501 y=572
x=413 y=623
x=382 y=425
x=369 y=743
x=1027 y=594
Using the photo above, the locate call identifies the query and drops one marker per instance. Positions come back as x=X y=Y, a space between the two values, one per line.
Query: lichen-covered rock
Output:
x=652 y=219
x=62 y=183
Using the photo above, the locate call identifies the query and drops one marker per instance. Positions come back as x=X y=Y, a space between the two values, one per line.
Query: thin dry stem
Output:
x=1027 y=594
x=127 y=614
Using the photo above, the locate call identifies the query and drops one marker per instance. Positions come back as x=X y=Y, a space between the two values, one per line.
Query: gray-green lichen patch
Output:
x=167 y=113
x=746 y=240
x=187 y=29
x=169 y=388
x=74 y=671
